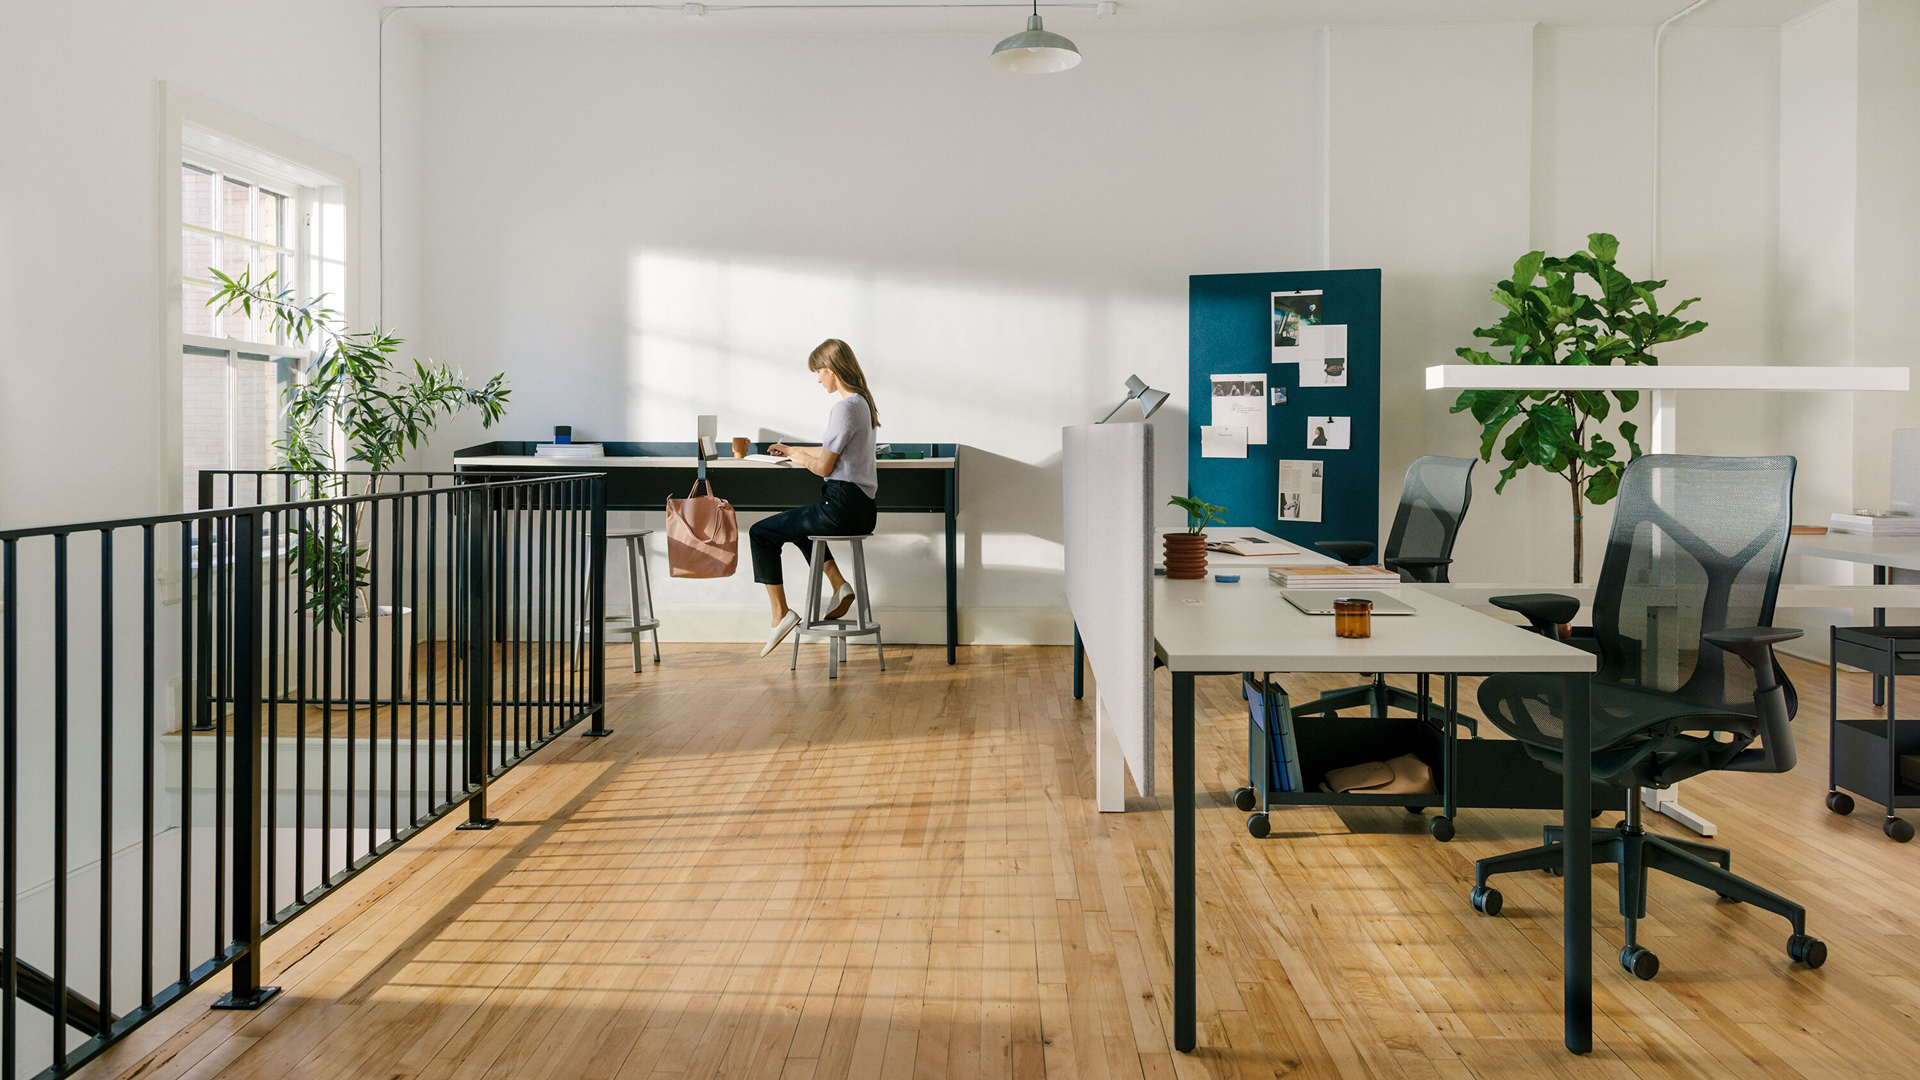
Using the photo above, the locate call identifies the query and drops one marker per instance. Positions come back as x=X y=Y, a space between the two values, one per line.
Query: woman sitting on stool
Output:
x=846 y=458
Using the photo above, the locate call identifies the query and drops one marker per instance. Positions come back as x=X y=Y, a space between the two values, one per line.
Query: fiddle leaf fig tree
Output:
x=352 y=397
x=1569 y=311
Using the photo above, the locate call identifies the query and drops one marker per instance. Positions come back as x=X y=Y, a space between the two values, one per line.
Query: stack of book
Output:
x=1333 y=577
x=570 y=450
x=1876 y=523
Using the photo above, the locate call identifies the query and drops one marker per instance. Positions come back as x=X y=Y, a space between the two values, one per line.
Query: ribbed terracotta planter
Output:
x=1186 y=555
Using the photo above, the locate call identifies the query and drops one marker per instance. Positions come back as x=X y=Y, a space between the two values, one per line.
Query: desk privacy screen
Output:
x=1107 y=525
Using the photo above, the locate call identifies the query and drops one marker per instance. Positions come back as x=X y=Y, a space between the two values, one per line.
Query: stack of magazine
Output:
x=1333 y=577
x=1876 y=523
x=570 y=450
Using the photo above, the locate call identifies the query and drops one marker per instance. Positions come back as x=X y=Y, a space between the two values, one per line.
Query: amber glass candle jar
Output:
x=1352 y=617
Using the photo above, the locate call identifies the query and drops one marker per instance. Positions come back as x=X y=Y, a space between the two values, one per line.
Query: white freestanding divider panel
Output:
x=1106 y=485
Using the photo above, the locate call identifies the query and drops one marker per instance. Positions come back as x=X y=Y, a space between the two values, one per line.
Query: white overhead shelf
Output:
x=1656 y=377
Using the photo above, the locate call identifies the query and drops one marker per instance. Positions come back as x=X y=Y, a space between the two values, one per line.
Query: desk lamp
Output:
x=1150 y=399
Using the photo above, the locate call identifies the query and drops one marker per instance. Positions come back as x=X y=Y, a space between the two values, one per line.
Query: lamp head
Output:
x=1035 y=50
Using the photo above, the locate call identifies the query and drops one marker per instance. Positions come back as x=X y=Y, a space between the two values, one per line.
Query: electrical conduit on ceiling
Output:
x=1659 y=37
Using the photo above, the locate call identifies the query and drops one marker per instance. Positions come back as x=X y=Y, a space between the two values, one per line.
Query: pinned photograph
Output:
x=1241 y=401
x=1279 y=395
x=1293 y=313
x=1301 y=483
x=1330 y=341
x=1329 y=432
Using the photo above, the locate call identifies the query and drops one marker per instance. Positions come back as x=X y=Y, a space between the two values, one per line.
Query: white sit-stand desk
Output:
x=1210 y=628
x=1880 y=552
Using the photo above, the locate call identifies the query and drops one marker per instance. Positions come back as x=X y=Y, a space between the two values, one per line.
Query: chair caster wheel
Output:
x=1485 y=899
x=1900 y=829
x=1441 y=828
x=1243 y=799
x=1416 y=809
x=1258 y=827
x=1639 y=960
x=1840 y=802
x=1807 y=950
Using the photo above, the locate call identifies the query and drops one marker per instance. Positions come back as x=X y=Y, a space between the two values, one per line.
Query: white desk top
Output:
x=524 y=462
x=1798 y=378
x=1249 y=626
x=1897 y=551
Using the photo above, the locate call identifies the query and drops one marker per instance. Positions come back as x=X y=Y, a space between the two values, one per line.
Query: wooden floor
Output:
x=764 y=874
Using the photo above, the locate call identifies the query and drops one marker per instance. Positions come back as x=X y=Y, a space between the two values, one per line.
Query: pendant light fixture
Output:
x=1035 y=51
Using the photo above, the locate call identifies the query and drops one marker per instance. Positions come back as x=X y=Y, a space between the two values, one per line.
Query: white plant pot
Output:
x=373 y=657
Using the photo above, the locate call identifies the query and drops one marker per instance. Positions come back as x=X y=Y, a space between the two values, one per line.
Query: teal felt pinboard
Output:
x=1230 y=331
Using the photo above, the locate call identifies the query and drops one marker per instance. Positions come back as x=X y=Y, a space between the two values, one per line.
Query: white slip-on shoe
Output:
x=842 y=600
x=780 y=631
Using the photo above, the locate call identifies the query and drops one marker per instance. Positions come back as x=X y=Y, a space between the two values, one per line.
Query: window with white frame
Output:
x=240 y=210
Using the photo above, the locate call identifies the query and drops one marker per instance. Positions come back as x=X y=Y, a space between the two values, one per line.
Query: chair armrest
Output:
x=1547 y=612
x=1754 y=646
x=1420 y=568
x=1351 y=552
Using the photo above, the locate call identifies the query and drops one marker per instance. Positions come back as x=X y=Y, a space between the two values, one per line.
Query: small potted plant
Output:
x=1186 y=552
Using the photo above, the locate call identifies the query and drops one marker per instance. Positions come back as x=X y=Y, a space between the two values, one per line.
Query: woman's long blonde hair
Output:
x=836 y=356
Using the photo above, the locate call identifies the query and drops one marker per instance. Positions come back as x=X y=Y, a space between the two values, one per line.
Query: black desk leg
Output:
x=1183 y=958
x=1879 y=619
x=953 y=567
x=1079 y=664
x=1576 y=920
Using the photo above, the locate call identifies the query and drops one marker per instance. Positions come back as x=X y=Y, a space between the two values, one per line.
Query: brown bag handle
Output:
x=696 y=488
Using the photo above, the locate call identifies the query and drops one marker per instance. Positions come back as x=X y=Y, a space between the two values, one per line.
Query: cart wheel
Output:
x=1899 y=828
x=1258 y=826
x=1807 y=950
x=1416 y=809
x=1243 y=799
x=1641 y=961
x=1441 y=828
x=1840 y=802
x=1485 y=899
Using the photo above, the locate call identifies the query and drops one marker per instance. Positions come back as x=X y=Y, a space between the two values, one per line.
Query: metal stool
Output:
x=638 y=572
x=837 y=631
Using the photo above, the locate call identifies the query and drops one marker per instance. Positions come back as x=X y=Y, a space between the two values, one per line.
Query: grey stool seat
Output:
x=837 y=631
x=639 y=577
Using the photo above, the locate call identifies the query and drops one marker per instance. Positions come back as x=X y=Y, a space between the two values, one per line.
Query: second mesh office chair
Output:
x=1687 y=680
x=1433 y=502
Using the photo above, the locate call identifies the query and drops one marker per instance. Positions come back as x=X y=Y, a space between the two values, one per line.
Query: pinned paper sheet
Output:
x=1294 y=312
x=1241 y=401
x=1301 y=483
x=1327 y=344
x=1227 y=442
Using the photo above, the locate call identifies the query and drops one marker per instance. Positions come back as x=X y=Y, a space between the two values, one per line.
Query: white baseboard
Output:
x=905 y=626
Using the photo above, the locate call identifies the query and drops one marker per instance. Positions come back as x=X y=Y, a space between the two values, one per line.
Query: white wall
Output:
x=638 y=229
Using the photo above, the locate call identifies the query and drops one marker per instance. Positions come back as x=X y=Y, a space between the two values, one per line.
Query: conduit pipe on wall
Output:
x=1659 y=37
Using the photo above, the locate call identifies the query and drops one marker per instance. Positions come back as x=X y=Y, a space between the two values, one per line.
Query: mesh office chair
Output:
x=1433 y=502
x=1687 y=680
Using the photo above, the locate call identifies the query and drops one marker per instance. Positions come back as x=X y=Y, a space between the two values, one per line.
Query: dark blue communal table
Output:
x=644 y=475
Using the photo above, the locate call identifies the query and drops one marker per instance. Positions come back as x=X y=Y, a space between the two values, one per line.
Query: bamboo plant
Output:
x=353 y=397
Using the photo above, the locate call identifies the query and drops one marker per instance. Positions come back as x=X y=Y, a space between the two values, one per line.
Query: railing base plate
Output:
x=483 y=823
x=251 y=1001
x=602 y=733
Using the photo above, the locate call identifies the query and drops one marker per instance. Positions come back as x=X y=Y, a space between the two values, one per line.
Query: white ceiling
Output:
x=843 y=16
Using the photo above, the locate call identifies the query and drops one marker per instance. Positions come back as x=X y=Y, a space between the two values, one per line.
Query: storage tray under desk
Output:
x=1860 y=759
x=1489 y=773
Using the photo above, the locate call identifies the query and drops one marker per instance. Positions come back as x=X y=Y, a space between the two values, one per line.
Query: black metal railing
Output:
x=175 y=786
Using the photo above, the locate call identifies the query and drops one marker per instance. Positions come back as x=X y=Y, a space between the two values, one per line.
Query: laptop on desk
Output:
x=1320 y=601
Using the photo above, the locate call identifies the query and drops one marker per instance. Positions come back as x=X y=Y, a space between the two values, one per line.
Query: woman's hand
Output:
x=780 y=450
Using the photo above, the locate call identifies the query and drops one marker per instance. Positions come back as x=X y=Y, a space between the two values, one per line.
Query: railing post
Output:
x=477 y=516
x=248 y=625
x=597 y=607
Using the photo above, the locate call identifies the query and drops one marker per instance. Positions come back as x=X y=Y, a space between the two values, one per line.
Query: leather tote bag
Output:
x=703 y=537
